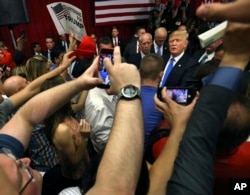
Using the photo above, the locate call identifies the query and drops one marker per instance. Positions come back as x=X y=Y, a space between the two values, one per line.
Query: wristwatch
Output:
x=129 y=92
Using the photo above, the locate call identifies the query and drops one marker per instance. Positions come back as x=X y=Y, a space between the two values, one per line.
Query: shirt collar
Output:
x=177 y=58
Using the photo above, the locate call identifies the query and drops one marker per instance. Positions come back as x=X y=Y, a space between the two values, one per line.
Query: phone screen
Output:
x=178 y=95
x=181 y=95
x=102 y=72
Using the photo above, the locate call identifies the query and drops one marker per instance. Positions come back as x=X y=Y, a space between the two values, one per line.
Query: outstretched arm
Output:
x=177 y=116
x=46 y=103
x=119 y=169
x=34 y=87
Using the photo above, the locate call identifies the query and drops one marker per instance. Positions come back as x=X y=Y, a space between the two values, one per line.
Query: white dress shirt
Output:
x=209 y=56
x=156 y=48
x=99 y=112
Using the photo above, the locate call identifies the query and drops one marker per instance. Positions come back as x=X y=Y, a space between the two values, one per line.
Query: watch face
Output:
x=129 y=91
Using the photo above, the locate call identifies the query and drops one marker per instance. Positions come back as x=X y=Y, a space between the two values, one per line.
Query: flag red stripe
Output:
x=121 y=14
x=119 y=22
x=99 y=7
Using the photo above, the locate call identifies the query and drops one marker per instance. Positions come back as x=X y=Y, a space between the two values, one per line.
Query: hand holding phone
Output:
x=181 y=95
x=102 y=72
x=23 y=34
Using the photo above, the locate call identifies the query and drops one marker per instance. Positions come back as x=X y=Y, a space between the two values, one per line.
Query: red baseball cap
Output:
x=86 y=49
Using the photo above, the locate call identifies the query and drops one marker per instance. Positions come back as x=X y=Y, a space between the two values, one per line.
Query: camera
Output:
x=102 y=72
x=181 y=95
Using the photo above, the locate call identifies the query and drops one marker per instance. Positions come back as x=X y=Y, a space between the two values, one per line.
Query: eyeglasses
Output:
x=21 y=165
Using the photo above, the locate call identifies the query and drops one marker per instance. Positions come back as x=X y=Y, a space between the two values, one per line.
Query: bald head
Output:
x=146 y=41
x=14 y=84
x=161 y=31
x=160 y=36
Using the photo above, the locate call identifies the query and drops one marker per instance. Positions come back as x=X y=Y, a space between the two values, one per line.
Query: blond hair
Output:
x=179 y=32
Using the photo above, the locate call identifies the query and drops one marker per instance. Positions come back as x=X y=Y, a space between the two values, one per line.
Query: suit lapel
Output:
x=178 y=67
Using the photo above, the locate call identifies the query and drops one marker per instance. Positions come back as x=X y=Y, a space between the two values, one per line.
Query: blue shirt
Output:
x=151 y=116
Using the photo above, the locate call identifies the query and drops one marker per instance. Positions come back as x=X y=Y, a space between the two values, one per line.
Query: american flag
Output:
x=60 y=11
x=121 y=11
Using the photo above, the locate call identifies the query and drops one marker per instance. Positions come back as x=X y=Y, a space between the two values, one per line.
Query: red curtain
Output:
x=41 y=24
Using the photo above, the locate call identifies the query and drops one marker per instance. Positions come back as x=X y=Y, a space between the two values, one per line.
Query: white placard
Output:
x=67 y=19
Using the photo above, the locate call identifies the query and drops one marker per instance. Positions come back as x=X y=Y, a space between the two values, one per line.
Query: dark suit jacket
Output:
x=80 y=67
x=53 y=50
x=135 y=59
x=194 y=166
x=197 y=54
x=165 y=49
x=183 y=70
x=45 y=53
x=132 y=39
x=18 y=57
x=121 y=43
x=62 y=47
x=130 y=49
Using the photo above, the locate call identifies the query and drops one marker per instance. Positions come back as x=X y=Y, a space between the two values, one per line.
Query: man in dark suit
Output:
x=78 y=67
x=133 y=46
x=50 y=44
x=63 y=44
x=145 y=43
x=160 y=46
x=183 y=66
x=139 y=30
x=36 y=48
x=131 y=49
x=116 y=41
x=204 y=55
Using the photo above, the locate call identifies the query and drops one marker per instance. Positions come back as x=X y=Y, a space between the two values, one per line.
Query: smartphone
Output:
x=102 y=72
x=23 y=33
x=181 y=95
